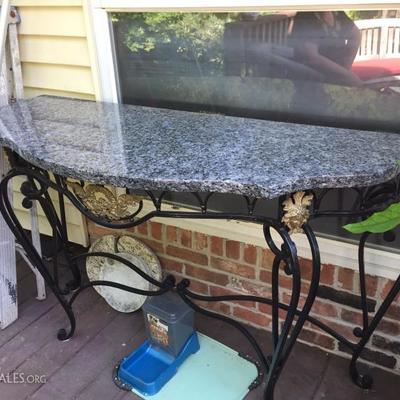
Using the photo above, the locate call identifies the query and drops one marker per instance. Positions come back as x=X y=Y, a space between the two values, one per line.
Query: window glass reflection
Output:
x=338 y=68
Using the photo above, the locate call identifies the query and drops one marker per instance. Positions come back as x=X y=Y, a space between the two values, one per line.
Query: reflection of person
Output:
x=327 y=42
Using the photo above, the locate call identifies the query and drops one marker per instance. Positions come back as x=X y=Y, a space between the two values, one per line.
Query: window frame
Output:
x=379 y=262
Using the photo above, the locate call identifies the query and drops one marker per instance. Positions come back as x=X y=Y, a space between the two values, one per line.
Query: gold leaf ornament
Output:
x=296 y=212
x=104 y=203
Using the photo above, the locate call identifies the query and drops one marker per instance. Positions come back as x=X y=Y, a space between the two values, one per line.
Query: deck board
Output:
x=54 y=355
x=107 y=347
x=32 y=339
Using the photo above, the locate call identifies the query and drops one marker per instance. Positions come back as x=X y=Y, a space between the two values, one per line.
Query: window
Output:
x=336 y=68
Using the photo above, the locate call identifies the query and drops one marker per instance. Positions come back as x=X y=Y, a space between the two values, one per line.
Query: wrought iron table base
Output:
x=284 y=335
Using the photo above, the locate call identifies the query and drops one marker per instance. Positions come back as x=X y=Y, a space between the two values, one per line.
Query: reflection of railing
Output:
x=268 y=29
x=239 y=36
x=380 y=38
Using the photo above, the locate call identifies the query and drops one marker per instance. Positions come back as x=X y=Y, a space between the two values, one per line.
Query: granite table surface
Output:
x=159 y=149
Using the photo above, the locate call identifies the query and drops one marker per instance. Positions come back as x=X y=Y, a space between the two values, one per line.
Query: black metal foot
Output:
x=362 y=381
x=63 y=336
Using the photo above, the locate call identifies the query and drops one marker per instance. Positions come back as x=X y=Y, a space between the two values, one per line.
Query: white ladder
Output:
x=11 y=88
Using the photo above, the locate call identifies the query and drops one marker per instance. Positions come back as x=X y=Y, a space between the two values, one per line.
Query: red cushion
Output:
x=374 y=69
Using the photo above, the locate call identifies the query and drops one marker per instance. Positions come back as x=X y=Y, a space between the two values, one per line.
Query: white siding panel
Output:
x=46 y=49
x=53 y=21
x=58 y=77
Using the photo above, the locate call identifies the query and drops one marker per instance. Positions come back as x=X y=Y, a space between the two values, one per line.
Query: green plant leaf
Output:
x=379 y=222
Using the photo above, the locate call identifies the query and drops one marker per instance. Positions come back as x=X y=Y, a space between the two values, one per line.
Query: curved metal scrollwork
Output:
x=365 y=332
x=367 y=201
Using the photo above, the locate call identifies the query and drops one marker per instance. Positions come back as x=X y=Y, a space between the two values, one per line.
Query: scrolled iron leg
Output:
x=365 y=332
x=285 y=338
x=34 y=257
x=288 y=335
x=365 y=381
x=281 y=339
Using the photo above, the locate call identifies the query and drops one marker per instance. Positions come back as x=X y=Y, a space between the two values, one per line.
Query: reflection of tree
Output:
x=356 y=15
x=370 y=14
x=175 y=37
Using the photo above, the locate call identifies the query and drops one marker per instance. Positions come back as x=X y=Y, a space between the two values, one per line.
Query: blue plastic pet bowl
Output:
x=149 y=368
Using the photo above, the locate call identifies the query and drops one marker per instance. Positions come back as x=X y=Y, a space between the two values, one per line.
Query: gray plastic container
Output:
x=169 y=322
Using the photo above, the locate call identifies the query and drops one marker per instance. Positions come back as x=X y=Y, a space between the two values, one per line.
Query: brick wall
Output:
x=218 y=266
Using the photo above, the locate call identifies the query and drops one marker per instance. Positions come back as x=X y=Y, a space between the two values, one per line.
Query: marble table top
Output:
x=159 y=149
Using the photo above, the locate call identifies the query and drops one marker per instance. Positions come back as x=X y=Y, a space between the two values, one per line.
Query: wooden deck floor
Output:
x=81 y=368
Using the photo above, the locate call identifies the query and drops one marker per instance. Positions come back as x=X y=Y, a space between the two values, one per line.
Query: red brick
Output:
x=206 y=275
x=265 y=308
x=232 y=249
x=233 y=267
x=305 y=268
x=142 y=229
x=97 y=231
x=251 y=288
x=200 y=241
x=178 y=276
x=250 y=254
x=90 y=225
x=171 y=265
x=198 y=287
x=219 y=291
x=319 y=307
x=254 y=317
x=156 y=230
x=265 y=276
x=186 y=237
x=386 y=289
x=393 y=312
x=305 y=288
x=354 y=317
x=287 y=297
x=218 y=307
x=327 y=271
x=319 y=339
x=327 y=274
x=155 y=246
x=172 y=234
x=217 y=245
x=284 y=280
x=389 y=327
x=344 y=330
x=371 y=283
x=267 y=258
x=187 y=255
x=346 y=278
x=325 y=309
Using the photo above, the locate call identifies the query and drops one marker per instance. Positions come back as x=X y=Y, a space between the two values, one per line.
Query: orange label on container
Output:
x=158 y=330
